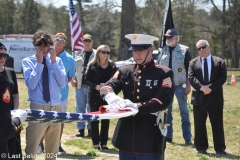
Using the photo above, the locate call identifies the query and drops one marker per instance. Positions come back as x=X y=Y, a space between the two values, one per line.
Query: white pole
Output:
x=72 y=40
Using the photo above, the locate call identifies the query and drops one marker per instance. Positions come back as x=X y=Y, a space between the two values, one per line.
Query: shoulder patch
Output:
x=167 y=83
x=183 y=48
x=6 y=96
x=164 y=68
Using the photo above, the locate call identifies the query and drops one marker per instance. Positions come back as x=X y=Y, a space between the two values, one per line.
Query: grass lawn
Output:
x=81 y=148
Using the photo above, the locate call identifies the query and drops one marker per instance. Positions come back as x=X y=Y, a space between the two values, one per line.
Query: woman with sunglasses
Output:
x=99 y=71
x=14 y=144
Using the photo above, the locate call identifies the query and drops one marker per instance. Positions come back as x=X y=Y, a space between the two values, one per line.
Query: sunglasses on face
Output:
x=202 y=48
x=3 y=55
x=105 y=52
x=2 y=47
x=169 y=37
x=60 y=40
x=87 y=40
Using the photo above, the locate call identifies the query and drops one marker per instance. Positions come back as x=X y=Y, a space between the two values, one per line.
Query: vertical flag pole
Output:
x=167 y=22
x=71 y=31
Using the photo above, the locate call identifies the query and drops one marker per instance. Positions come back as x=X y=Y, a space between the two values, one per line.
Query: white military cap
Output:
x=141 y=41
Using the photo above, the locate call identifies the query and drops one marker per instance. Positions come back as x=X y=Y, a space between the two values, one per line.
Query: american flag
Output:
x=76 y=30
x=105 y=112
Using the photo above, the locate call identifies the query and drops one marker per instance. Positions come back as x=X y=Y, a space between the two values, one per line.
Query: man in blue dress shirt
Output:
x=43 y=62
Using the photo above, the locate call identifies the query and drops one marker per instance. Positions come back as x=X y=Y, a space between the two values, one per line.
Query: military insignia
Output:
x=155 y=82
x=179 y=69
x=116 y=75
x=148 y=82
x=167 y=83
x=6 y=96
x=134 y=37
x=180 y=75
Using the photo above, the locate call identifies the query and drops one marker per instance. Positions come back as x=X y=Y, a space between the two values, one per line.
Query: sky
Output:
x=59 y=3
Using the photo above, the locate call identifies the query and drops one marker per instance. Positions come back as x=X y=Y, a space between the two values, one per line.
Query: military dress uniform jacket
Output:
x=151 y=86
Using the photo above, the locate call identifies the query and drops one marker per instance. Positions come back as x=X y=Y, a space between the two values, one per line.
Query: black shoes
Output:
x=221 y=152
x=188 y=142
x=168 y=139
x=97 y=147
x=61 y=150
x=80 y=133
x=104 y=147
x=202 y=152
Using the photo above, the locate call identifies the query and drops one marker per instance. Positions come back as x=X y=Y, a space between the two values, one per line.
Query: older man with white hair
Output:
x=177 y=57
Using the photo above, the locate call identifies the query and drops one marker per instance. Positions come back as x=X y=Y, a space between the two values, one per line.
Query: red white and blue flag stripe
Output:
x=76 y=29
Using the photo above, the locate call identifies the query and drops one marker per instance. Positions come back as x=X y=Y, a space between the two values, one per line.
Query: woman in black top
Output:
x=14 y=144
x=99 y=71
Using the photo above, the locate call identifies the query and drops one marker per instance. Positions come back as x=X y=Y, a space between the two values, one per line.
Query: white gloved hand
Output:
x=131 y=104
x=21 y=114
x=112 y=98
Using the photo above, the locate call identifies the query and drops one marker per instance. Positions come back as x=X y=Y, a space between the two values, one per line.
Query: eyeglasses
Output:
x=105 y=52
x=87 y=40
x=60 y=40
x=2 y=47
x=201 y=48
x=3 y=55
x=169 y=37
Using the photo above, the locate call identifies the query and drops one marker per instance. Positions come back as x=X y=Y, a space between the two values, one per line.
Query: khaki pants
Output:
x=35 y=131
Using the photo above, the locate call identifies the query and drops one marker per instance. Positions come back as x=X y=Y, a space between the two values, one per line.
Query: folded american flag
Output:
x=43 y=116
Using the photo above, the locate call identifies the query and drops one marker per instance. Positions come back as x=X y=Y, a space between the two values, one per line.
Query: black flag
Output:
x=167 y=23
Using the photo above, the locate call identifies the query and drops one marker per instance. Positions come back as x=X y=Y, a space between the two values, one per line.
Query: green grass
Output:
x=81 y=148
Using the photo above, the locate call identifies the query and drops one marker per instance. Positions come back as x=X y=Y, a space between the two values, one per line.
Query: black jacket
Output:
x=92 y=79
x=151 y=86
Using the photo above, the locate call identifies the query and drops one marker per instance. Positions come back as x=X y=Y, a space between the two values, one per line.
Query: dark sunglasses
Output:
x=105 y=52
x=169 y=37
x=201 y=48
x=2 y=47
x=60 y=40
x=3 y=55
x=87 y=40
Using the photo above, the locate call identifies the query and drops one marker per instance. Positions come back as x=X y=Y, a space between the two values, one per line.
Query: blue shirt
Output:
x=32 y=71
x=69 y=65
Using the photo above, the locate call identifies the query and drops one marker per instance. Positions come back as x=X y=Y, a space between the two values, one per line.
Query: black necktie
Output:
x=45 y=82
x=206 y=79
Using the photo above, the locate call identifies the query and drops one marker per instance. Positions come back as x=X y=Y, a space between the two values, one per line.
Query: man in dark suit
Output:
x=207 y=74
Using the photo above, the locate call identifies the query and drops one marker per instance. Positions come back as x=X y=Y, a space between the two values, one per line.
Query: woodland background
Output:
x=194 y=20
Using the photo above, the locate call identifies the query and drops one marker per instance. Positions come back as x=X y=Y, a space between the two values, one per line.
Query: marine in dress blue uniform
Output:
x=149 y=86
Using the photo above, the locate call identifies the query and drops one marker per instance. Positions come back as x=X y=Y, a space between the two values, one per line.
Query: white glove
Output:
x=21 y=114
x=112 y=98
x=131 y=104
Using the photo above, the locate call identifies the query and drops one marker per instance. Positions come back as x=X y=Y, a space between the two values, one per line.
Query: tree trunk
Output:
x=235 y=51
x=127 y=27
x=223 y=36
x=235 y=34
